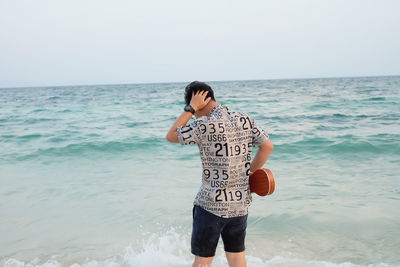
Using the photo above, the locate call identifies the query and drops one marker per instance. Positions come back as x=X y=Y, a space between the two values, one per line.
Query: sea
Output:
x=87 y=177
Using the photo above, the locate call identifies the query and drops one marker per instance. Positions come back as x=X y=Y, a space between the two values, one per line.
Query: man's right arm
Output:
x=263 y=152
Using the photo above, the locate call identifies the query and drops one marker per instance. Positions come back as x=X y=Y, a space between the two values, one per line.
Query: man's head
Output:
x=196 y=86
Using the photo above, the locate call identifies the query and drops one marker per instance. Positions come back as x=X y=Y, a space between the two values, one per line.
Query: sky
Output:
x=77 y=42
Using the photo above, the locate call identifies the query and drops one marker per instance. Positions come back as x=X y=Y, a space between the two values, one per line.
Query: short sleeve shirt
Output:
x=225 y=141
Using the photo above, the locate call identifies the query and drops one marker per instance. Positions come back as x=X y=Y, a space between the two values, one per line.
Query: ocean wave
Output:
x=39 y=120
x=162 y=259
x=385 y=144
x=349 y=144
x=172 y=249
x=53 y=98
x=11 y=138
x=38 y=110
x=135 y=124
x=324 y=117
x=376 y=98
x=95 y=147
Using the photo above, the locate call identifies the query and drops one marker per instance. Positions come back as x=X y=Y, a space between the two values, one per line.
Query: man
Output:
x=225 y=140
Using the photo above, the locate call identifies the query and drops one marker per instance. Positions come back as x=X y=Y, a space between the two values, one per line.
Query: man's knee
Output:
x=202 y=261
x=236 y=259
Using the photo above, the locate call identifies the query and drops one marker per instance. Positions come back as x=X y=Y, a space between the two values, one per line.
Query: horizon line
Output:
x=271 y=79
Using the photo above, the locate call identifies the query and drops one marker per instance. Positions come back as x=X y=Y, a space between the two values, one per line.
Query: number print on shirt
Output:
x=213 y=128
x=247 y=167
x=256 y=132
x=203 y=128
x=223 y=150
x=219 y=197
x=221 y=127
x=186 y=133
x=246 y=120
x=216 y=174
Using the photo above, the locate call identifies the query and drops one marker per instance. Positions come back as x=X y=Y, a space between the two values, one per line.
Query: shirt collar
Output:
x=217 y=108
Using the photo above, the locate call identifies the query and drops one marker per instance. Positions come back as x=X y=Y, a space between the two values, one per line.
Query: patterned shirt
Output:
x=225 y=140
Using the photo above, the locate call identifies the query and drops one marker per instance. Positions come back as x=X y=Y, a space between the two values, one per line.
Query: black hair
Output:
x=196 y=86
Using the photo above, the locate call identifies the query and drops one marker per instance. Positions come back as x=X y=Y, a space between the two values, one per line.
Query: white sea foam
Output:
x=171 y=249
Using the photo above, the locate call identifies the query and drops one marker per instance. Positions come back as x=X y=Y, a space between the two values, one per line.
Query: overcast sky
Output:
x=68 y=42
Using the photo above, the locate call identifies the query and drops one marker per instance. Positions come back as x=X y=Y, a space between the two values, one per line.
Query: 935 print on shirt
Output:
x=225 y=141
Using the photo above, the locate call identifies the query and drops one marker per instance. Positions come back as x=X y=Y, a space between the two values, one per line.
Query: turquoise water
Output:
x=88 y=179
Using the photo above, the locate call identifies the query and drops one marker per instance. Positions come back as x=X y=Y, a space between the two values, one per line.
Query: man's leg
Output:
x=205 y=234
x=202 y=261
x=233 y=235
x=236 y=259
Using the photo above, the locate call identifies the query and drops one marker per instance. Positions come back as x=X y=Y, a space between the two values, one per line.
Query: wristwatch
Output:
x=189 y=108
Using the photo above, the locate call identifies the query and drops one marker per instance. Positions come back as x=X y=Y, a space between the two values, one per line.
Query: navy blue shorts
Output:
x=207 y=228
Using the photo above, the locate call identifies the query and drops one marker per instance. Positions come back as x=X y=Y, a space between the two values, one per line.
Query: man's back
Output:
x=225 y=140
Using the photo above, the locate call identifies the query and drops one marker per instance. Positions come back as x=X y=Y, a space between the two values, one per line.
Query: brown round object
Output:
x=262 y=182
